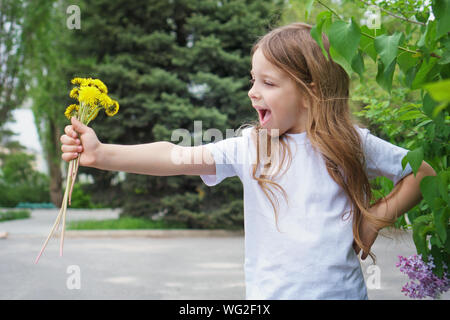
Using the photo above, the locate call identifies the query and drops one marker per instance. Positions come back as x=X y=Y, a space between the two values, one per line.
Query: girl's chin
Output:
x=270 y=131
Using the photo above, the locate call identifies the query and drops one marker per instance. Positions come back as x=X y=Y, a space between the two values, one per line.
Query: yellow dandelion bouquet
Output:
x=92 y=96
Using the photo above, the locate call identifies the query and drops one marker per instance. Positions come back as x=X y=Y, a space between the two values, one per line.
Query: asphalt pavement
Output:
x=151 y=266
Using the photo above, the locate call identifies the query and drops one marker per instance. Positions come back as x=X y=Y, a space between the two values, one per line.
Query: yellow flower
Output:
x=112 y=109
x=89 y=95
x=78 y=81
x=83 y=82
x=86 y=82
x=105 y=101
x=100 y=85
x=74 y=93
x=72 y=111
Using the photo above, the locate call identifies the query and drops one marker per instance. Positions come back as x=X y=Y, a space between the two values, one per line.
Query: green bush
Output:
x=14 y=214
x=183 y=208
x=123 y=223
x=81 y=199
x=19 y=182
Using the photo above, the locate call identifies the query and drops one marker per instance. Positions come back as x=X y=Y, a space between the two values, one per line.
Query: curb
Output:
x=160 y=233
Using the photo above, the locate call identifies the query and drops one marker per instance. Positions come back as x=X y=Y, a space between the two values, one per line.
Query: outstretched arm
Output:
x=158 y=158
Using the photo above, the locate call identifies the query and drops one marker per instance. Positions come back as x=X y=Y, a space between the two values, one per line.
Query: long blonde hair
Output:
x=329 y=128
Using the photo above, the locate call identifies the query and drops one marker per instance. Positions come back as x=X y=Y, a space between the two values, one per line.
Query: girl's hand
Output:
x=86 y=145
x=368 y=234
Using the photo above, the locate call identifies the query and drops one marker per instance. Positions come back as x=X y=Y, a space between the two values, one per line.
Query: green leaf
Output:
x=445 y=58
x=423 y=123
x=426 y=72
x=441 y=222
x=385 y=75
x=340 y=60
x=422 y=16
x=411 y=115
x=358 y=64
x=439 y=108
x=444 y=179
x=366 y=43
x=344 y=37
x=434 y=240
x=410 y=76
x=407 y=107
x=439 y=91
x=430 y=191
x=323 y=20
x=415 y=159
x=447 y=245
x=438 y=270
x=428 y=105
x=441 y=12
x=427 y=39
x=387 y=47
x=423 y=219
x=420 y=238
x=406 y=61
x=308 y=9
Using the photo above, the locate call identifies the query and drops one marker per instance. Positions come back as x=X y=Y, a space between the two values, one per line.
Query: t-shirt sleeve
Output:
x=384 y=158
x=226 y=154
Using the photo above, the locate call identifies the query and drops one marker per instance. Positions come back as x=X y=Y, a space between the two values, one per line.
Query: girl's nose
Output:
x=252 y=94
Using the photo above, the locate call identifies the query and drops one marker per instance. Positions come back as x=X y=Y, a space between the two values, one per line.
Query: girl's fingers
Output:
x=71 y=148
x=68 y=140
x=69 y=156
x=70 y=132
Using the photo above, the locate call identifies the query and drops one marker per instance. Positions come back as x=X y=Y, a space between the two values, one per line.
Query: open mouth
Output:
x=264 y=116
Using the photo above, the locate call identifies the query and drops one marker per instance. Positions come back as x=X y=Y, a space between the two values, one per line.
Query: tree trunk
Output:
x=54 y=161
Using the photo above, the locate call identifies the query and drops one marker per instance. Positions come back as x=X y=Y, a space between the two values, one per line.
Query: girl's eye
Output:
x=266 y=83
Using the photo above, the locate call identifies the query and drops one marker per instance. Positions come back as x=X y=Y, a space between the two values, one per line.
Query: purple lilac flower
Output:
x=428 y=285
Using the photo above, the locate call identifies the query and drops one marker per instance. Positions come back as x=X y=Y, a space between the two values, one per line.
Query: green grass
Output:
x=122 y=223
x=14 y=214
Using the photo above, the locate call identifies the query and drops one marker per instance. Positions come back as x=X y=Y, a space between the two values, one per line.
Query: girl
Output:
x=307 y=246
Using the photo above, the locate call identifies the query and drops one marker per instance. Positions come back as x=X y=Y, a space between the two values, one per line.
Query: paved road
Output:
x=148 y=268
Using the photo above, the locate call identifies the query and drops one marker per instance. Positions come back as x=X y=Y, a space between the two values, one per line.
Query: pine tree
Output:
x=170 y=63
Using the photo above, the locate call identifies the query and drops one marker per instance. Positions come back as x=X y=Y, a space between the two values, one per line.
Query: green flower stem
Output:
x=58 y=218
x=74 y=171
x=64 y=208
x=71 y=178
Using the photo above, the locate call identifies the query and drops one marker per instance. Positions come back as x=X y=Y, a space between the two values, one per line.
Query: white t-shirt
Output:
x=313 y=257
